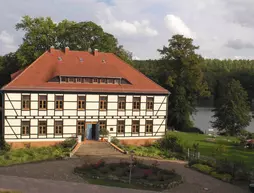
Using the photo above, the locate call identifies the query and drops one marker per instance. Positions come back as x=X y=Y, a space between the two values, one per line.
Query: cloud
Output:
x=7 y=42
x=239 y=44
x=176 y=26
x=135 y=58
x=124 y=27
x=6 y=38
x=240 y=12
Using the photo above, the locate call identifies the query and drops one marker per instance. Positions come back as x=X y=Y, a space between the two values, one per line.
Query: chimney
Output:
x=66 y=50
x=95 y=52
x=52 y=49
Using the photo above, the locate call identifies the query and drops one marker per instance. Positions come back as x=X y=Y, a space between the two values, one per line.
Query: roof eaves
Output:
x=6 y=86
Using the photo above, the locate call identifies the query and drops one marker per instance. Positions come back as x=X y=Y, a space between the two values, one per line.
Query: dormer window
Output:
x=79 y=80
x=95 y=80
x=89 y=80
x=71 y=79
x=103 y=80
x=110 y=81
x=117 y=81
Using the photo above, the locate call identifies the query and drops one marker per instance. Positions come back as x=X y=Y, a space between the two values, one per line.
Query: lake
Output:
x=204 y=116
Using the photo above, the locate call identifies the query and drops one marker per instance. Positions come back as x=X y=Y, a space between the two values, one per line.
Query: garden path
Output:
x=60 y=173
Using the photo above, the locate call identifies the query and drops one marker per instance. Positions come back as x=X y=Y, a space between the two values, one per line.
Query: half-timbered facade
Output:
x=71 y=93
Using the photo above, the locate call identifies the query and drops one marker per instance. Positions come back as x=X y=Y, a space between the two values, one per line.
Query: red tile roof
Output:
x=36 y=76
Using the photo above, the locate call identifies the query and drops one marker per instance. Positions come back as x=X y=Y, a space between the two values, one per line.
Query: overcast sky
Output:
x=222 y=28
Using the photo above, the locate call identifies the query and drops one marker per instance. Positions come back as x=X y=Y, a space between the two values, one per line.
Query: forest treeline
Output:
x=215 y=71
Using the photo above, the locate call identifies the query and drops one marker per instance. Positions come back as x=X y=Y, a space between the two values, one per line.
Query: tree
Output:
x=185 y=80
x=41 y=33
x=232 y=110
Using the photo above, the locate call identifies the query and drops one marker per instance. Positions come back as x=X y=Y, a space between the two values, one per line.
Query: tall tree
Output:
x=232 y=110
x=41 y=33
x=185 y=80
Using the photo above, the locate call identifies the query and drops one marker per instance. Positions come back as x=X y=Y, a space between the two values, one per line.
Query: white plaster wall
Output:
x=70 y=109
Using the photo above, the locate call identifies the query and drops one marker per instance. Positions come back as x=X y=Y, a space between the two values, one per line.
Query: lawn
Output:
x=229 y=148
x=233 y=151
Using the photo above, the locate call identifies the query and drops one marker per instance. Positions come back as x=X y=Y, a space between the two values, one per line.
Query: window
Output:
x=95 y=80
x=149 y=103
x=42 y=128
x=103 y=125
x=70 y=79
x=59 y=102
x=25 y=102
x=136 y=103
x=79 y=80
x=80 y=127
x=149 y=126
x=58 y=127
x=110 y=81
x=116 y=81
x=88 y=80
x=103 y=103
x=63 y=79
x=81 y=102
x=25 y=126
x=121 y=103
x=120 y=127
x=42 y=102
x=135 y=126
x=103 y=80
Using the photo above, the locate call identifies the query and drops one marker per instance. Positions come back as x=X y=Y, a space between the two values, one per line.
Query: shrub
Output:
x=115 y=141
x=203 y=168
x=104 y=132
x=223 y=177
x=194 y=130
x=4 y=146
x=171 y=142
x=68 y=143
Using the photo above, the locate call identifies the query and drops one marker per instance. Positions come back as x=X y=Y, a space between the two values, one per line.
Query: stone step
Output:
x=96 y=149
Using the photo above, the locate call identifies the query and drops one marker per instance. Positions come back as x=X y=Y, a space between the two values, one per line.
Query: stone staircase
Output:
x=96 y=148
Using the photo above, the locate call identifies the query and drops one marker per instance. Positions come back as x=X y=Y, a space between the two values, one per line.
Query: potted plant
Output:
x=103 y=133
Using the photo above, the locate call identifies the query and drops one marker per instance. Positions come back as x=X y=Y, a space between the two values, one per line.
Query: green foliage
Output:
x=202 y=168
x=232 y=109
x=5 y=147
x=115 y=141
x=185 y=80
x=68 y=143
x=19 y=156
x=41 y=33
x=223 y=177
x=171 y=142
x=104 y=132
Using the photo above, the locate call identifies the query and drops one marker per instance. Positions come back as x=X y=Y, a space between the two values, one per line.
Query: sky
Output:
x=222 y=28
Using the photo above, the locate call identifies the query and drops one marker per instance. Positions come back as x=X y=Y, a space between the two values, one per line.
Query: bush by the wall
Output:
x=171 y=142
x=115 y=141
x=68 y=143
x=4 y=146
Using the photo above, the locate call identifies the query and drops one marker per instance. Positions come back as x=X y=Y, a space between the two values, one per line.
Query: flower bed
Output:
x=143 y=176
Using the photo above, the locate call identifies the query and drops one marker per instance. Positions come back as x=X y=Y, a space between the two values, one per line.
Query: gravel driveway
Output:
x=62 y=170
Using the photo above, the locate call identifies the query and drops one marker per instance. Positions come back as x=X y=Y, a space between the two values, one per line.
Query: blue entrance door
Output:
x=89 y=131
x=97 y=131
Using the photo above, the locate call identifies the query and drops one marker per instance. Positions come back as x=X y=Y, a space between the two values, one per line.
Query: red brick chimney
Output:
x=66 y=50
x=52 y=49
x=95 y=52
